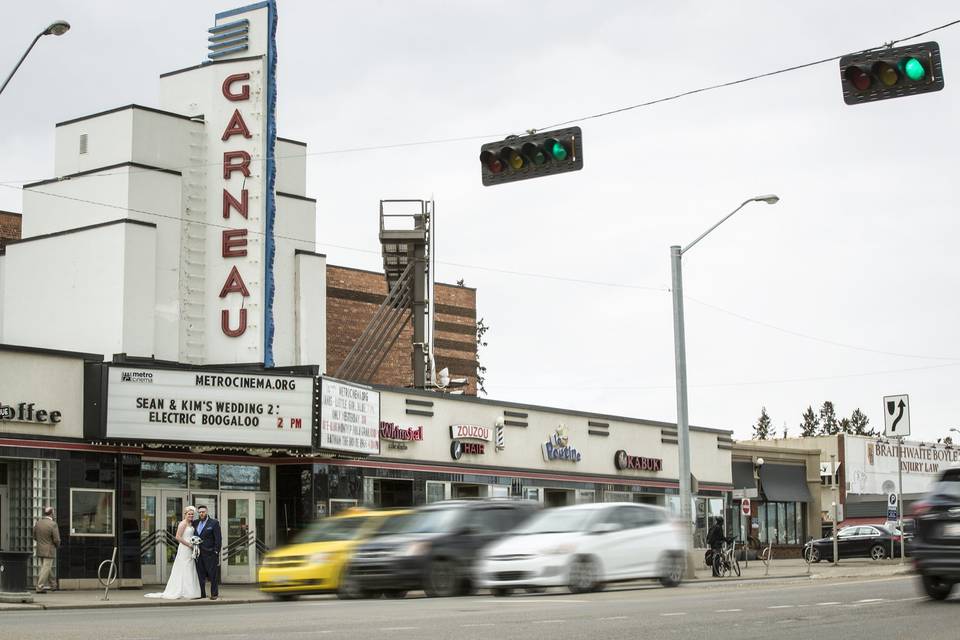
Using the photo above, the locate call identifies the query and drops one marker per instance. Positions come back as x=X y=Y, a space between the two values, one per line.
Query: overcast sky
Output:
x=859 y=255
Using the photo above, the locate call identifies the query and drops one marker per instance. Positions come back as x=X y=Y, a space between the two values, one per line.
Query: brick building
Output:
x=353 y=296
x=9 y=228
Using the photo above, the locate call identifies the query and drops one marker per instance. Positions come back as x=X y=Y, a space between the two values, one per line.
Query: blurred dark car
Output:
x=936 y=542
x=856 y=541
x=435 y=549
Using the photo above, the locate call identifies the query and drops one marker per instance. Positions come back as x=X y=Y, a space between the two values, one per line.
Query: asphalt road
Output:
x=884 y=608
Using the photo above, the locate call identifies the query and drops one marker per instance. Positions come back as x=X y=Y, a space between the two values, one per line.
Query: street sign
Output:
x=892 y=509
x=745 y=507
x=896 y=416
x=738 y=494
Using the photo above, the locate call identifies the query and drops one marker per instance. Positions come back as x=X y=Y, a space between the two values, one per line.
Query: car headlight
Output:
x=559 y=550
x=415 y=549
x=320 y=558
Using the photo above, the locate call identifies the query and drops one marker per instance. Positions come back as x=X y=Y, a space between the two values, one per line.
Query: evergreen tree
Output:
x=808 y=428
x=844 y=426
x=828 y=420
x=859 y=423
x=762 y=430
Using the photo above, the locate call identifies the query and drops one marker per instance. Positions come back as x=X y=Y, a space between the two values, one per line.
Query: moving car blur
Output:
x=586 y=546
x=936 y=542
x=314 y=562
x=435 y=548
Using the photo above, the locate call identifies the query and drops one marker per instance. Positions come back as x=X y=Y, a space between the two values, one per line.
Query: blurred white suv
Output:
x=584 y=547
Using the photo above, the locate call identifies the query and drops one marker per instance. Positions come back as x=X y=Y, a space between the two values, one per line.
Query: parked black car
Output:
x=856 y=541
x=435 y=549
x=936 y=542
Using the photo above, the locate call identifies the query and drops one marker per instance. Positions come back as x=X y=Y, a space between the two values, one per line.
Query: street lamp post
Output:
x=57 y=28
x=680 y=356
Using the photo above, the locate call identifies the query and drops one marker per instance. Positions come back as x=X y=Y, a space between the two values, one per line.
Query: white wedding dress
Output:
x=183 y=583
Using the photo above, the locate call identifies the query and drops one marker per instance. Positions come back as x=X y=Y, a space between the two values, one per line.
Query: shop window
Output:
x=3 y=473
x=392 y=493
x=499 y=491
x=339 y=505
x=436 y=491
x=91 y=512
x=617 y=496
x=762 y=520
x=586 y=496
x=791 y=523
x=801 y=530
x=163 y=474
x=204 y=476
x=781 y=523
x=243 y=477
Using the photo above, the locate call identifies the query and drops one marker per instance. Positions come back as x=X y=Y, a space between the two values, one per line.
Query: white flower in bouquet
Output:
x=195 y=541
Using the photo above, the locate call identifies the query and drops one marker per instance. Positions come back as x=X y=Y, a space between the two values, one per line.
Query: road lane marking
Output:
x=781 y=606
x=909 y=599
x=616 y=618
x=826 y=604
x=547 y=621
x=866 y=600
x=397 y=628
x=478 y=624
x=681 y=613
x=727 y=610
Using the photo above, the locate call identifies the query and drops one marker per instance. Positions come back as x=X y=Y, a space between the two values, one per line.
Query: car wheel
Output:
x=877 y=552
x=673 y=567
x=936 y=587
x=442 y=580
x=502 y=592
x=583 y=575
x=349 y=588
x=813 y=554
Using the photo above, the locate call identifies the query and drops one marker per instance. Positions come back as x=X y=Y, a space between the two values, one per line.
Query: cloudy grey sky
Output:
x=859 y=255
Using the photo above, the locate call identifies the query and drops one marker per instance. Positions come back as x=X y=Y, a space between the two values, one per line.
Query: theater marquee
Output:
x=204 y=407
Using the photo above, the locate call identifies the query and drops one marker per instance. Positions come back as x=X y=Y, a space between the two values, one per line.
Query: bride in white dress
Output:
x=183 y=583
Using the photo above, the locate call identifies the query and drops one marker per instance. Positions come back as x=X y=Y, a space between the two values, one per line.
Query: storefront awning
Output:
x=743 y=475
x=784 y=483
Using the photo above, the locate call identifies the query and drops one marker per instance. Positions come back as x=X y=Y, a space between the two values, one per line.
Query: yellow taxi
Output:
x=316 y=560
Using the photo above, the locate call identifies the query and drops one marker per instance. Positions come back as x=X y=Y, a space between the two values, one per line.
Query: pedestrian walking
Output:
x=47 y=536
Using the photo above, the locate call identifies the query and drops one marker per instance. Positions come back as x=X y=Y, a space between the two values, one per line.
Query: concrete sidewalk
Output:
x=246 y=594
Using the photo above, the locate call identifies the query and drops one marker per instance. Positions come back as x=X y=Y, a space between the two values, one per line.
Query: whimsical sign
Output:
x=209 y=407
x=349 y=417
x=622 y=460
x=390 y=431
x=558 y=447
x=470 y=432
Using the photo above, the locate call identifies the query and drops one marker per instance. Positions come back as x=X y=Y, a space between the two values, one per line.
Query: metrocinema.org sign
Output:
x=201 y=407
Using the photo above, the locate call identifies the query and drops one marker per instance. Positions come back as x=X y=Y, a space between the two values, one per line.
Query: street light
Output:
x=57 y=28
x=680 y=356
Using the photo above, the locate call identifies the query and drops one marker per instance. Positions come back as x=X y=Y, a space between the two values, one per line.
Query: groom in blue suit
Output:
x=208 y=562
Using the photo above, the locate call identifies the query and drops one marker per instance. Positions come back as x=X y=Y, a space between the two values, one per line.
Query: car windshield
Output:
x=394 y=524
x=333 y=529
x=948 y=485
x=430 y=521
x=558 y=521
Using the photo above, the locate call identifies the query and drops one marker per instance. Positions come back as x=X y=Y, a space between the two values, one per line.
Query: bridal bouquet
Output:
x=195 y=541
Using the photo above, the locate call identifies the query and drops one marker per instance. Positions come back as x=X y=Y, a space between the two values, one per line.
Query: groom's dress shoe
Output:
x=214 y=597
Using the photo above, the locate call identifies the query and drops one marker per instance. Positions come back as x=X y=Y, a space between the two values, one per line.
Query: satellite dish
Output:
x=444 y=376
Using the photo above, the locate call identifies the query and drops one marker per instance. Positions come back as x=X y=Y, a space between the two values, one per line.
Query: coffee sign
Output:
x=622 y=460
x=29 y=412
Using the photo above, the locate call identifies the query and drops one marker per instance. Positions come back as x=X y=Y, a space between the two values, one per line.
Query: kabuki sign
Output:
x=622 y=460
x=204 y=407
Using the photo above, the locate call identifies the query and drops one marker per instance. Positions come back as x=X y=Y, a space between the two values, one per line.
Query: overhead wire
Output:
x=601 y=114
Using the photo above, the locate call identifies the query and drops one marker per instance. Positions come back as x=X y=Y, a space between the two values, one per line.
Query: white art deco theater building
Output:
x=163 y=340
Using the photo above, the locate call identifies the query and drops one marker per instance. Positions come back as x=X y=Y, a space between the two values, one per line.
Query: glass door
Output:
x=171 y=505
x=4 y=520
x=151 y=537
x=239 y=554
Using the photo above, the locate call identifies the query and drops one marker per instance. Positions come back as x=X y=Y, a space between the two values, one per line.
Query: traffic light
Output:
x=891 y=73
x=531 y=156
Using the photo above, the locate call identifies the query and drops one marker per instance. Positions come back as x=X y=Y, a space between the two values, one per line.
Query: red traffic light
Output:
x=491 y=161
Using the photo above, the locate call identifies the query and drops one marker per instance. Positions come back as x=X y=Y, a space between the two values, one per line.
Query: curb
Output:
x=792 y=576
x=129 y=605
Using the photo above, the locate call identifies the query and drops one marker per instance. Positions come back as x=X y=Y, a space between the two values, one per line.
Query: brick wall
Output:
x=353 y=296
x=9 y=228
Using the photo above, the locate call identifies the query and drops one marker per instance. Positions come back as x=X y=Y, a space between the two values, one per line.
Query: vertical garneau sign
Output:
x=241 y=201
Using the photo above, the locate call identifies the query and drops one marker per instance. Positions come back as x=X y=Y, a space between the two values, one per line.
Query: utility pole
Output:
x=833 y=489
x=900 y=494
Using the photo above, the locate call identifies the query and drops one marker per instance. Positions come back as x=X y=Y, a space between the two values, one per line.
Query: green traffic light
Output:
x=914 y=69
x=558 y=151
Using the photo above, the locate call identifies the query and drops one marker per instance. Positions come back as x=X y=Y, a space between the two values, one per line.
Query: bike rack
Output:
x=111 y=577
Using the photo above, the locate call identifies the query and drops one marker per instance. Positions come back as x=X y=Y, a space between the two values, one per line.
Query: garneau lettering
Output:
x=244 y=382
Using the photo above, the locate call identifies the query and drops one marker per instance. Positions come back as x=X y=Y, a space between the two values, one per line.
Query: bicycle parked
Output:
x=726 y=562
